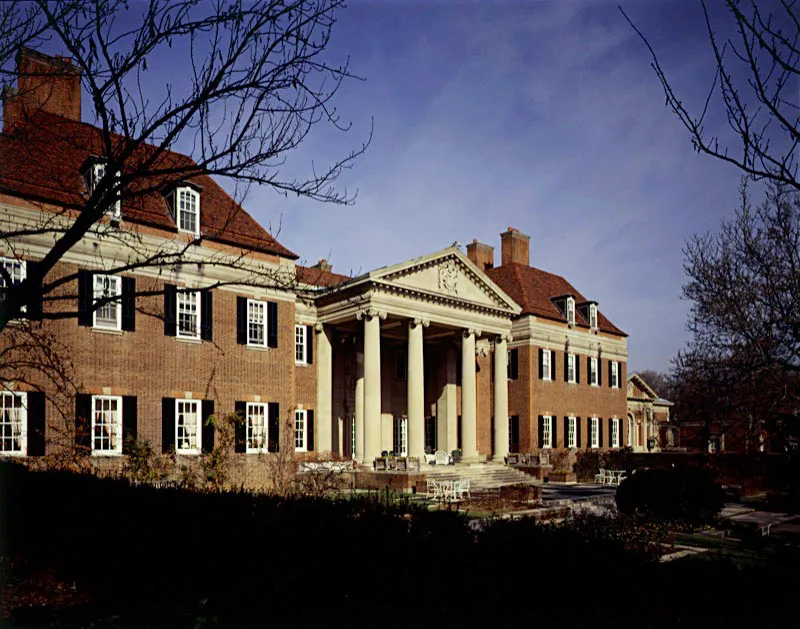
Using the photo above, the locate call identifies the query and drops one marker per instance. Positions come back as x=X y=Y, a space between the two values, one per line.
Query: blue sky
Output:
x=540 y=115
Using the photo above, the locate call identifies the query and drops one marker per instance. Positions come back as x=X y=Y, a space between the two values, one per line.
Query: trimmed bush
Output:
x=687 y=494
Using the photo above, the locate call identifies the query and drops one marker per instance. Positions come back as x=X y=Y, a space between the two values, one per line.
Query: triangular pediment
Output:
x=448 y=273
x=638 y=388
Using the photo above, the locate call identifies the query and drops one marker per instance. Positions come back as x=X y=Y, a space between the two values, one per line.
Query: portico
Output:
x=390 y=344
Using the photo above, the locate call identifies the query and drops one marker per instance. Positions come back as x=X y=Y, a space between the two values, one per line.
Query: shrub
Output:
x=688 y=494
x=587 y=464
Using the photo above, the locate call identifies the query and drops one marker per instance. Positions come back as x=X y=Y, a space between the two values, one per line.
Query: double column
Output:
x=469 y=397
x=416 y=388
x=500 y=398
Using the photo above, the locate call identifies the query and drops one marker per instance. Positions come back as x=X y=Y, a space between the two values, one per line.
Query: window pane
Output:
x=107 y=287
x=299 y=430
x=256 y=322
x=187 y=211
x=256 y=427
x=188 y=315
x=187 y=418
x=106 y=425
x=300 y=343
x=11 y=423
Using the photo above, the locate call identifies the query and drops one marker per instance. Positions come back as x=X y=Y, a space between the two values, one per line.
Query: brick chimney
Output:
x=45 y=83
x=323 y=266
x=515 y=247
x=482 y=255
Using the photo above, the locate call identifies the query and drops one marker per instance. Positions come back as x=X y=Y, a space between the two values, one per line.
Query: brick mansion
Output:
x=454 y=350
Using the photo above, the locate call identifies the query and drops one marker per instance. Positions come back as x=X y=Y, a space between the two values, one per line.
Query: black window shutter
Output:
x=34 y=312
x=208 y=427
x=599 y=372
x=515 y=432
x=513 y=364
x=577 y=369
x=552 y=366
x=274 y=428
x=130 y=422
x=541 y=364
x=240 y=431
x=272 y=324
x=83 y=421
x=553 y=431
x=241 y=320
x=578 y=432
x=610 y=433
x=207 y=315
x=129 y=304
x=167 y=424
x=566 y=431
x=541 y=430
x=36 y=423
x=310 y=430
x=600 y=432
x=85 y=297
x=309 y=344
x=566 y=367
x=170 y=310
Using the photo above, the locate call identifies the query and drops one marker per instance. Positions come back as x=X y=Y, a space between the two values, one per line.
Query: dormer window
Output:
x=570 y=311
x=593 y=316
x=94 y=172
x=184 y=205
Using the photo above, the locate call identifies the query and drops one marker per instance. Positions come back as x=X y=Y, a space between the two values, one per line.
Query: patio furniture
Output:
x=442 y=458
x=455 y=456
x=402 y=465
x=600 y=477
x=412 y=463
x=462 y=488
x=430 y=459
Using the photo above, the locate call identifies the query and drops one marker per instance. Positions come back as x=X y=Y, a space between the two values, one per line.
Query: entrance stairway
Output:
x=482 y=475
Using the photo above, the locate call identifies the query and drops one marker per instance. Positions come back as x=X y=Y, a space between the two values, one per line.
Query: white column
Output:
x=324 y=414
x=372 y=387
x=469 y=400
x=416 y=389
x=500 y=399
x=446 y=411
x=359 y=403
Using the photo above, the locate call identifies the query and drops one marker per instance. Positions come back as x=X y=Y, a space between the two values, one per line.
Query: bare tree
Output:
x=741 y=366
x=255 y=78
x=756 y=85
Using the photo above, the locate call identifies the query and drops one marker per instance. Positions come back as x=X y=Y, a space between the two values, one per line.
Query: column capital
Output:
x=369 y=313
x=503 y=338
x=413 y=323
x=318 y=327
x=476 y=332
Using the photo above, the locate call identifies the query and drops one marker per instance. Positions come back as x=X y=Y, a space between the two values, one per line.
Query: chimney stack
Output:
x=323 y=266
x=45 y=83
x=482 y=255
x=515 y=247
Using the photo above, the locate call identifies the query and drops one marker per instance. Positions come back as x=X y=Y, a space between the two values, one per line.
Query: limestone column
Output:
x=446 y=411
x=416 y=388
x=359 y=404
x=324 y=414
x=469 y=400
x=372 y=386
x=500 y=399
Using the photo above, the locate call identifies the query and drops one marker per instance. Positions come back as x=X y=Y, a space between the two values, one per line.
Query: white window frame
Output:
x=352 y=436
x=250 y=437
x=9 y=264
x=593 y=316
x=547 y=368
x=401 y=434
x=571 y=373
x=570 y=311
x=630 y=432
x=257 y=305
x=20 y=417
x=300 y=433
x=184 y=295
x=614 y=374
x=572 y=432
x=115 y=303
x=615 y=426
x=593 y=366
x=190 y=195
x=98 y=172
x=594 y=432
x=301 y=344
x=116 y=451
x=547 y=431
x=198 y=427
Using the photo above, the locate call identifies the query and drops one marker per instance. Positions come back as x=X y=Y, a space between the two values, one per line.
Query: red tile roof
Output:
x=533 y=289
x=41 y=161
x=318 y=277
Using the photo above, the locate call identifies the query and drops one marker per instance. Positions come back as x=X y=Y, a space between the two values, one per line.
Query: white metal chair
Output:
x=600 y=477
x=442 y=458
x=462 y=488
x=430 y=459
